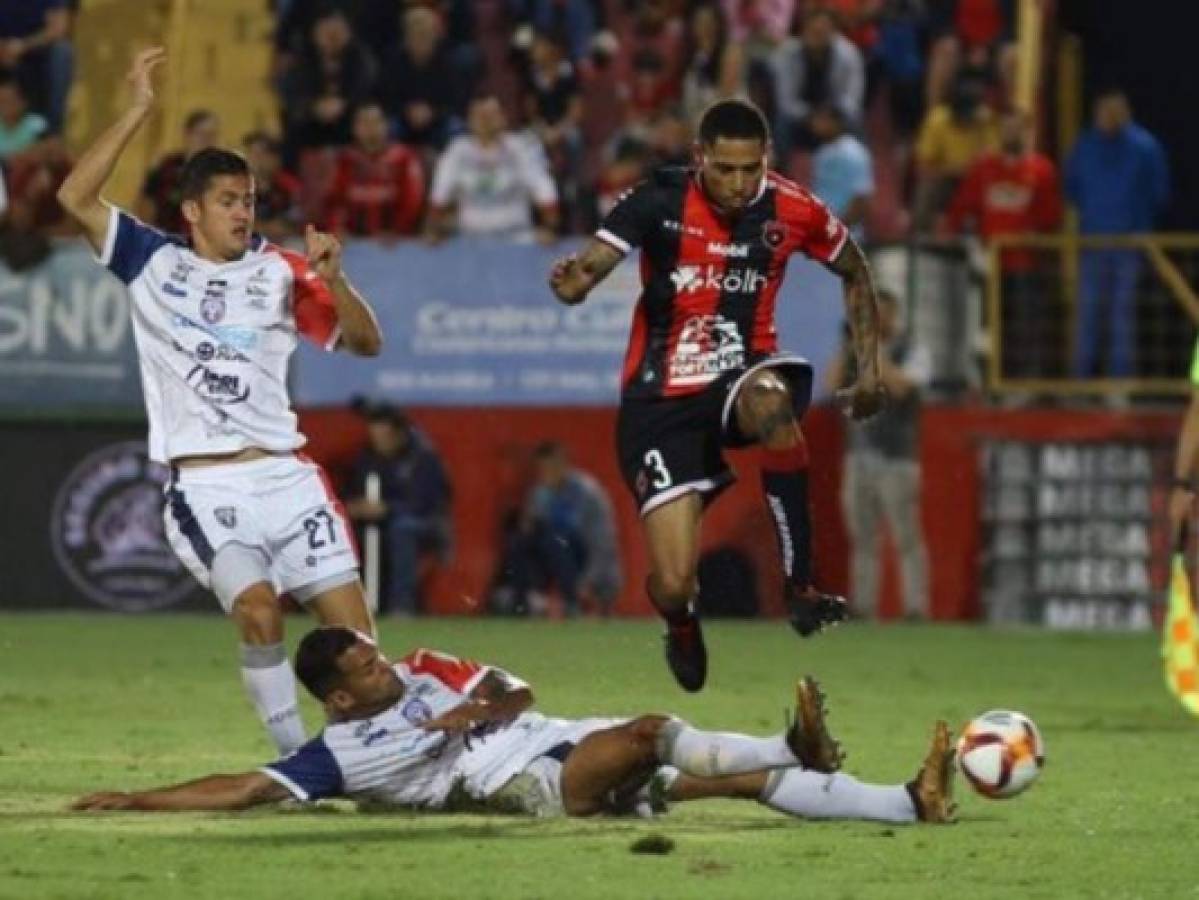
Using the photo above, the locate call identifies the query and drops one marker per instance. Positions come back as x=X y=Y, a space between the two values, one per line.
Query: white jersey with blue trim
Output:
x=389 y=758
x=214 y=339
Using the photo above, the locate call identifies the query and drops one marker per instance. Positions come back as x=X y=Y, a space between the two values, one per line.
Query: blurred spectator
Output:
x=35 y=45
x=334 y=73
x=277 y=213
x=33 y=213
x=379 y=188
x=714 y=66
x=424 y=90
x=20 y=127
x=628 y=162
x=1118 y=178
x=159 y=202
x=1015 y=191
x=842 y=171
x=670 y=139
x=759 y=25
x=554 y=109
x=651 y=91
x=821 y=68
x=882 y=469
x=566 y=538
x=653 y=30
x=576 y=21
x=414 y=511
x=901 y=62
x=377 y=23
x=489 y=178
x=952 y=138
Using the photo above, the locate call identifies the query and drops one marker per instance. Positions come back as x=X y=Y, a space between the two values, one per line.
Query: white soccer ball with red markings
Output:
x=1001 y=753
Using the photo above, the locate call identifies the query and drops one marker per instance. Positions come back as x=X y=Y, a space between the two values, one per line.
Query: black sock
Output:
x=785 y=483
x=675 y=616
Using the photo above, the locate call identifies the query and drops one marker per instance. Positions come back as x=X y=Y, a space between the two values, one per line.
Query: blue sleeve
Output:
x=311 y=773
x=128 y=245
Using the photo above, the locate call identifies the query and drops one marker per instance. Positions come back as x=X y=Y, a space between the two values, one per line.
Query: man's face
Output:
x=551 y=469
x=732 y=171
x=204 y=134
x=331 y=34
x=370 y=129
x=421 y=32
x=386 y=438
x=12 y=103
x=486 y=118
x=262 y=159
x=825 y=125
x=223 y=218
x=1112 y=113
x=818 y=32
x=1012 y=131
x=367 y=680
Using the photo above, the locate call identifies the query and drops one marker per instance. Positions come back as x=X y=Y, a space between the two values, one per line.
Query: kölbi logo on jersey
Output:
x=689 y=279
x=107 y=533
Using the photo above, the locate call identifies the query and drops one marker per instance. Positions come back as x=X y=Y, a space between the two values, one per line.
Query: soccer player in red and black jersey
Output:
x=704 y=371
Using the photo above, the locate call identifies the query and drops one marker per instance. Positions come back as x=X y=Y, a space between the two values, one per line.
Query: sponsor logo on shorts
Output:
x=106 y=531
x=226 y=515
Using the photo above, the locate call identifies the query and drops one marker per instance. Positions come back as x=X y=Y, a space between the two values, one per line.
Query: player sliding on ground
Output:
x=216 y=316
x=703 y=370
x=441 y=733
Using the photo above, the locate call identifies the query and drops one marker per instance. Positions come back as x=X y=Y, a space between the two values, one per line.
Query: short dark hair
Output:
x=262 y=138
x=317 y=656
x=549 y=450
x=736 y=119
x=196 y=116
x=207 y=165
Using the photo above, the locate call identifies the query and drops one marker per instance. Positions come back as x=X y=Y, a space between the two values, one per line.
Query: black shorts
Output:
x=674 y=446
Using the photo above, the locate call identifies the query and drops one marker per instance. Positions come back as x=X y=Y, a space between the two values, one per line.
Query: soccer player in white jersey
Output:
x=437 y=732
x=216 y=318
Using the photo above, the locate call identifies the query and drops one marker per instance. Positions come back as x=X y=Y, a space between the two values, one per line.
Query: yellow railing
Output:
x=1056 y=260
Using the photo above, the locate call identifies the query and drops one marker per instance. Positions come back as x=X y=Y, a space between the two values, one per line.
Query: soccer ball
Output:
x=1001 y=753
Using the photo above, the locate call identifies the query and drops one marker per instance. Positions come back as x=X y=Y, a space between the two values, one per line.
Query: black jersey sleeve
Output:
x=631 y=219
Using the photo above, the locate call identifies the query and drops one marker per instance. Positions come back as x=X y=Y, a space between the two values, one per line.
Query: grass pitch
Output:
x=92 y=702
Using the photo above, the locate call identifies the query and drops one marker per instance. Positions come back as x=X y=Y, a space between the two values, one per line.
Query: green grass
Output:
x=91 y=702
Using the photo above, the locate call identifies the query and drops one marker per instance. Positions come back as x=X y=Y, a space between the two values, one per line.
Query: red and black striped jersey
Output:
x=709 y=283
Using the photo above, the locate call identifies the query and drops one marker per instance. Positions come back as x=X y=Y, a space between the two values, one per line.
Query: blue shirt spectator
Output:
x=1117 y=175
x=842 y=171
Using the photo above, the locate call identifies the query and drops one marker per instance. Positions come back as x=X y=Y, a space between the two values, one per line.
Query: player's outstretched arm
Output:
x=215 y=792
x=80 y=192
x=866 y=396
x=360 y=332
x=573 y=277
x=496 y=700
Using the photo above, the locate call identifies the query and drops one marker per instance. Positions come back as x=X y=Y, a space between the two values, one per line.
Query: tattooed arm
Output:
x=866 y=396
x=573 y=277
x=495 y=701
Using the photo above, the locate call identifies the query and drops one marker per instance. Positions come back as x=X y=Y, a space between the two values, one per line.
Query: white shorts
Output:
x=282 y=506
x=515 y=762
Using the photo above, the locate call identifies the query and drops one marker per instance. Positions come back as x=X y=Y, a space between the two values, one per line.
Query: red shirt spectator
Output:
x=979 y=22
x=1014 y=191
x=379 y=187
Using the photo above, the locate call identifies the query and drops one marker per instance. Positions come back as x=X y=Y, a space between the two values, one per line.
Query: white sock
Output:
x=711 y=753
x=271 y=685
x=813 y=795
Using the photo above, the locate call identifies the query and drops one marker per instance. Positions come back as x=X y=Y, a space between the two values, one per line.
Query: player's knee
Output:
x=258 y=617
x=674 y=587
x=646 y=733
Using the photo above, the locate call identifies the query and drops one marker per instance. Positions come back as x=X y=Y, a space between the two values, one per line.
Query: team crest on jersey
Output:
x=226 y=515
x=774 y=234
x=416 y=711
x=213 y=306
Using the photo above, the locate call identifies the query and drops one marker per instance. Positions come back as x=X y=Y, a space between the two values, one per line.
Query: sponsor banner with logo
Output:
x=1073 y=533
x=86 y=529
x=473 y=324
x=66 y=340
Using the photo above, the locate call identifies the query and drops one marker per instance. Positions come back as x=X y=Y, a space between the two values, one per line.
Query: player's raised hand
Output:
x=105 y=800
x=324 y=252
x=862 y=399
x=141 y=84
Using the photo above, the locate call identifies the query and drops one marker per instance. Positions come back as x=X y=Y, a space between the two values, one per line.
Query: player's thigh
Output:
x=768 y=401
x=344 y=605
x=613 y=760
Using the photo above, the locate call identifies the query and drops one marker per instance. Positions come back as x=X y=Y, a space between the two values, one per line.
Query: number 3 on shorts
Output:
x=656 y=464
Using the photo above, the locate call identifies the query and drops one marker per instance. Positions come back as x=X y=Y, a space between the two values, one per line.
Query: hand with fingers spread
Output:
x=324 y=253
x=139 y=79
